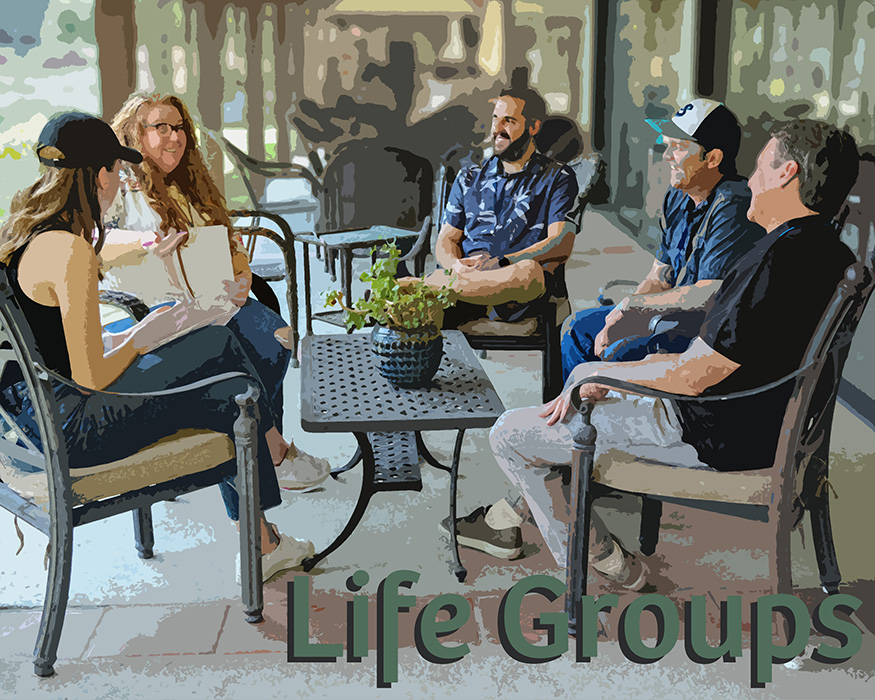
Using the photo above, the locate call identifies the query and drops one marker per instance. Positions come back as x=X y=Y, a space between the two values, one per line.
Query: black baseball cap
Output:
x=79 y=140
x=708 y=123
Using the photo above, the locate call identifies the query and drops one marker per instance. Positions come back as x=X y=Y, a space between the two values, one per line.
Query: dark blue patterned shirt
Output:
x=729 y=234
x=503 y=213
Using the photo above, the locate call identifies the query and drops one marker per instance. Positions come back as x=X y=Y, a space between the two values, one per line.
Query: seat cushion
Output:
x=621 y=470
x=183 y=453
x=523 y=327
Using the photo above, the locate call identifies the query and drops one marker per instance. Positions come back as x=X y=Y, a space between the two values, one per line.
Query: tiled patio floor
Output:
x=172 y=627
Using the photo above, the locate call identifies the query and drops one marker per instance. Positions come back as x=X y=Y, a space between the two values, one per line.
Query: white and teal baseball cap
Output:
x=708 y=123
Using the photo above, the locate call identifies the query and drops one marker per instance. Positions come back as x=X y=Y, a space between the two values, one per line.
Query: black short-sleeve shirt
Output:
x=763 y=318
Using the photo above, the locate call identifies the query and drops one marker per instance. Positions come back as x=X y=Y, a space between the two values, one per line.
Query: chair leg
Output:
x=578 y=542
x=57 y=592
x=551 y=363
x=143 y=532
x=308 y=295
x=651 y=513
x=292 y=295
x=246 y=448
x=824 y=547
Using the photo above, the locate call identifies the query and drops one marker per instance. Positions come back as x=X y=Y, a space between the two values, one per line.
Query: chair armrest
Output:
x=611 y=293
x=687 y=322
x=200 y=384
x=280 y=222
x=420 y=241
x=621 y=385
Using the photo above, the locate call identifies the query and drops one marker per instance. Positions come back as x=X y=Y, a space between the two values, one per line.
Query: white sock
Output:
x=501 y=516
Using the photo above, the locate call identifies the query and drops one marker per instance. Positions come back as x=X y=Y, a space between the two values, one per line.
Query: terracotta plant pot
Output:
x=408 y=358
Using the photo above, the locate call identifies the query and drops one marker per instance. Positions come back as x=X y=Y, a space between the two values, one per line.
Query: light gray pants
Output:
x=537 y=458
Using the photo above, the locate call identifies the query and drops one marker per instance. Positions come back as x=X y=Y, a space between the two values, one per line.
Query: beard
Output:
x=515 y=149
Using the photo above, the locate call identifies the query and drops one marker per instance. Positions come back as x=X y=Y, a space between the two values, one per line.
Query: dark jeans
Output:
x=254 y=325
x=578 y=340
x=100 y=428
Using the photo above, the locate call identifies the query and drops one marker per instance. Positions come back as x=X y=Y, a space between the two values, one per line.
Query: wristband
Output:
x=503 y=261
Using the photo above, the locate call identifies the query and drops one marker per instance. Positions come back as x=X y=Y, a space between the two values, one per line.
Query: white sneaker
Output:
x=289 y=553
x=303 y=473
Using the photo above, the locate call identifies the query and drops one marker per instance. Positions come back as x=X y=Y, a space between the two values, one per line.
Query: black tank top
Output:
x=44 y=321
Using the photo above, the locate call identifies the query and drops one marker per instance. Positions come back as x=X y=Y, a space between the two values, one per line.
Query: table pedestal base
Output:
x=391 y=463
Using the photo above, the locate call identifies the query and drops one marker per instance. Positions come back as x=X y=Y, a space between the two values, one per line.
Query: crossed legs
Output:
x=537 y=460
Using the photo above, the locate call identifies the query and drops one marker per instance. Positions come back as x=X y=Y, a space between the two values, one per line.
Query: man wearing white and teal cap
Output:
x=704 y=233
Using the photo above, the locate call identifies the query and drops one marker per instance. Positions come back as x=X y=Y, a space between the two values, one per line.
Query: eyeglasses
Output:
x=164 y=129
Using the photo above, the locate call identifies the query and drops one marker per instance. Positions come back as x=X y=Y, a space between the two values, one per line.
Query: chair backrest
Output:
x=807 y=423
x=559 y=138
x=591 y=183
x=367 y=183
x=267 y=182
x=20 y=360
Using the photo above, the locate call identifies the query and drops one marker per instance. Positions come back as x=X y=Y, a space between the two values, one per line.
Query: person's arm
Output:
x=238 y=289
x=555 y=248
x=123 y=247
x=729 y=236
x=448 y=248
x=68 y=273
x=688 y=374
x=657 y=280
x=686 y=298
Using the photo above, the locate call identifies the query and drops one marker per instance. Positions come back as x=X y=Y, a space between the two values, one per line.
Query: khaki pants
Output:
x=537 y=458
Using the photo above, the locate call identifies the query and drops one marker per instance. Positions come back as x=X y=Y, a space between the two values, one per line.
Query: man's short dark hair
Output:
x=534 y=108
x=828 y=162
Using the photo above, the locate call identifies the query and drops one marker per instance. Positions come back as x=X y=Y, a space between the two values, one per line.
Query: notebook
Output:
x=194 y=275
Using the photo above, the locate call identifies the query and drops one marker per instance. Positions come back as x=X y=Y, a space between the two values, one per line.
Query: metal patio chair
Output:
x=777 y=496
x=38 y=486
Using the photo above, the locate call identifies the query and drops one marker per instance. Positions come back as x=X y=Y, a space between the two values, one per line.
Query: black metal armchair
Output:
x=777 y=496
x=55 y=499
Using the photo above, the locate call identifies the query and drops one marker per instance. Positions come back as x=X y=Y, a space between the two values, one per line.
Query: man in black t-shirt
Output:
x=756 y=331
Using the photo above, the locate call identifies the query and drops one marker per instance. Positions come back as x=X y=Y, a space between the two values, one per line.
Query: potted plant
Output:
x=407 y=337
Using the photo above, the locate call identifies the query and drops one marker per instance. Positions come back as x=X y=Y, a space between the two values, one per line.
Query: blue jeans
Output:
x=578 y=339
x=254 y=325
x=98 y=428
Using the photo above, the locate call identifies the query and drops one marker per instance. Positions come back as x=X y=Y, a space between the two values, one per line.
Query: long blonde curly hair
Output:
x=190 y=176
x=62 y=198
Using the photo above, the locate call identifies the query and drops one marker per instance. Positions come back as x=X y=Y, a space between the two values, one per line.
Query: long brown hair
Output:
x=190 y=176
x=62 y=198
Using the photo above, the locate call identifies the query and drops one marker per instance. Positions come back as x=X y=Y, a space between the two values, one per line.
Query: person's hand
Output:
x=603 y=339
x=238 y=290
x=168 y=244
x=556 y=410
x=483 y=261
x=112 y=340
x=463 y=265
x=158 y=326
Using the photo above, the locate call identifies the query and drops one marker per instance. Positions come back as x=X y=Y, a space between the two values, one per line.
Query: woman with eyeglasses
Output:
x=162 y=198
x=49 y=247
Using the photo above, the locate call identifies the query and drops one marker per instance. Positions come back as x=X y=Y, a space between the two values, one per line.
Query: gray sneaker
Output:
x=472 y=531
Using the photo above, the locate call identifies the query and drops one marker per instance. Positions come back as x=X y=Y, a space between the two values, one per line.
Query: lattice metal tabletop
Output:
x=342 y=391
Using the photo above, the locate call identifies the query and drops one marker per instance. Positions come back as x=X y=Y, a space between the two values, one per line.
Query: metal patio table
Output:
x=342 y=391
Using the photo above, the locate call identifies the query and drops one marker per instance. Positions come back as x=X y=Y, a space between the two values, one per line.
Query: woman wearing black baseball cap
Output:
x=48 y=249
